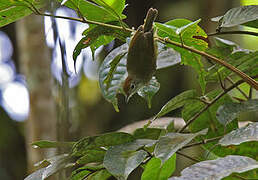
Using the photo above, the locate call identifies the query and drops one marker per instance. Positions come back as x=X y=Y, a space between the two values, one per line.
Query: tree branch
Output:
x=234 y=32
x=244 y=76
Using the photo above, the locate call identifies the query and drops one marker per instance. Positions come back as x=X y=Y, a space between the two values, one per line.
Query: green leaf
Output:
x=51 y=144
x=181 y=30
x=115 y=7
x=149 y=90
x=170 y=143
x=238 y=16
x=152 y=169
x=57 y=163
x=148 y=133
x=238 y=136
x=100 y=175
x=82 y=172
x=91 y=155
x=176 y=102
x=122 y=159
x=13 y=10
x=168 y=168
x=229 y=111
x=218 y=169
x=207 y=119
x=190 y=34
x=109 y=91
x=96 y=142
x=96 y=13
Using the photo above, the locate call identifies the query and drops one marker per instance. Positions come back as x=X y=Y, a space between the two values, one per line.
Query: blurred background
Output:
x=33 y=103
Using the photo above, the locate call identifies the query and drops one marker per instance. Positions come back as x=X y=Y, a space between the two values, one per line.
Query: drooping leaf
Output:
x=238 y=136
x=95 y=142
x=176 y=102
x=238 y=16
x=51 y=144
x=170 y=143
x=122 y=159
x=217 y=169
x=56 y=163
x=148 y=91
x=11 y=11
x=189 y=31
x=118 y=75
x=229 y=111
x=168 y=168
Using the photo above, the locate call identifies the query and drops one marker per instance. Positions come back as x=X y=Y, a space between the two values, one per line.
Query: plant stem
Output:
x=234 y=32
x=205 y=141
x=244 y=76
x=188 y=157
x=210 y=104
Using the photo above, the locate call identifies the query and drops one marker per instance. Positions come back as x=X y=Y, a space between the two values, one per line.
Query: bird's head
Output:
x=131 y=86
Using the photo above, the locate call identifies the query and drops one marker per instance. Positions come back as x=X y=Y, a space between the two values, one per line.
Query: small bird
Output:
x=142 y=56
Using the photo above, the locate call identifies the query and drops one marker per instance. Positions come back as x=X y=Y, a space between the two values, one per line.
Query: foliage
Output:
x=208 y=116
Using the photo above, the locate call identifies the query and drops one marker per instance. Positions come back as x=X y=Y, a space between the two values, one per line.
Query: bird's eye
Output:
x=132 y=86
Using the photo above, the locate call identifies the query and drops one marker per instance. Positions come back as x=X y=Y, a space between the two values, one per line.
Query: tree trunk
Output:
x=35 y=62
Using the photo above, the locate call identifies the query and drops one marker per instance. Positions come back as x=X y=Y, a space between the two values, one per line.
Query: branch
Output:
x=244 y=76
x=205 y=141
x=211 y=103
x=234 y=32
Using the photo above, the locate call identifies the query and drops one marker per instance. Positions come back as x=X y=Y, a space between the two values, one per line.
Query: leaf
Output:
x=90 y=156
x=217 y=169
x=182 y=29
x=167 y=56
x=190 y=30
x=115 y=7
x=122 y=159
x=97 y=13
x=176 y=102
x=100 y=175
x=118 y=75
x=113 y=66
x=229 y=111
x=154 y=171
x=82 y=172
x=51 y=144
x=11 y=11
x=56 y=163
x=238 y=136
x=148 y=133
x=170 y=143
x=149 y=90
x=95 y=142
x=238 y=16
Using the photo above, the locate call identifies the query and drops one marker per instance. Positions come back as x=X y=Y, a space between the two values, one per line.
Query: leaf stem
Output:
x=234 y=32
x=188 y=157
x=244 y=76
x=204 y=141
x=211 y=103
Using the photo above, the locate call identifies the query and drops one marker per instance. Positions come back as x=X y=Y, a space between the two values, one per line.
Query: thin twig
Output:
x=205 y=141
x=244 y=76
x=234 y=32
x=211 y=103
x=240 y=90
x=188 y=157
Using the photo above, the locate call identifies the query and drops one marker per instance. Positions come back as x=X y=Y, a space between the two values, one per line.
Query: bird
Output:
x=141 y=57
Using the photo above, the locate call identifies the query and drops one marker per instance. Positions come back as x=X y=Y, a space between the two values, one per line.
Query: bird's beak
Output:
x=127 y=97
